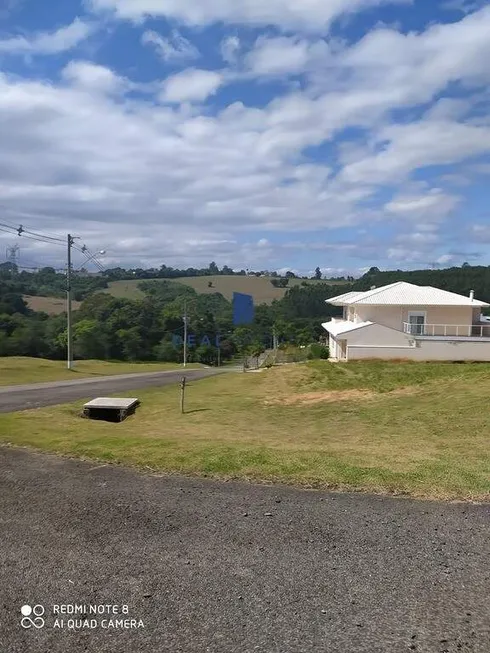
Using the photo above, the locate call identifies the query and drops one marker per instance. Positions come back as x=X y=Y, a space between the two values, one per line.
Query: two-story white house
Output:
x=405 y=321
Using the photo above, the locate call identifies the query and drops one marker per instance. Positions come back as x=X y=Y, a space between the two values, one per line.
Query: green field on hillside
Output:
x=260 y=288
x=410 y=428
x=20 y=369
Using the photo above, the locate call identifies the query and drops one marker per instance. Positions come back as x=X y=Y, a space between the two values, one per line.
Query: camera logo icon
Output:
x=27 y=621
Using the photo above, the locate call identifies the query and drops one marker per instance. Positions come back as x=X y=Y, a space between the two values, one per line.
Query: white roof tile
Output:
x=402 y=293
x=344 y=297
x=336 y=328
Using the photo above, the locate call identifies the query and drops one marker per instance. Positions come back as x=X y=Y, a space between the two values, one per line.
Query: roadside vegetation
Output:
x=404 y=428
x=18 y=370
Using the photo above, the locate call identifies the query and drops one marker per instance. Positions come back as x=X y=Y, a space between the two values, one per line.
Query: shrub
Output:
x=318 y=351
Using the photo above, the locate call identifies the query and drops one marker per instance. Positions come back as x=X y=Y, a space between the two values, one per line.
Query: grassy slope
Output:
x=260 y=288
x=18 y=369
x=50 y=305
x=413 y=428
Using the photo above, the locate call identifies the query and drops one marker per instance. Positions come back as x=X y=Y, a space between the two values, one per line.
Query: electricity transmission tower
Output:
x=13 y=257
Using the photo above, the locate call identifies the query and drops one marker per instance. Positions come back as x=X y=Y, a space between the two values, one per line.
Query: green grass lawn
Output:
x=19 y=369
x=260 y=288
x=415 y=428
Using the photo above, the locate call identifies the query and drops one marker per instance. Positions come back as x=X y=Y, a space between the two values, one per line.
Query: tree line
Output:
x=148 y=329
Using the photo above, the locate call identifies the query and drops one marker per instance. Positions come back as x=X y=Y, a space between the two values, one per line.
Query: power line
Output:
x=90 y=257
x=23 y=232
x=7 y=232
x=32 y=235
x=35 y=238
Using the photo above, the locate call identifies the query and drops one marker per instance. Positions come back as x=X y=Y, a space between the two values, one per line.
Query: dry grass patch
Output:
x=50 y=305
x=310 y=398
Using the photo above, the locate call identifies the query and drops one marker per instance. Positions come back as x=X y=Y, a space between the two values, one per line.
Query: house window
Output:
x=417 y=321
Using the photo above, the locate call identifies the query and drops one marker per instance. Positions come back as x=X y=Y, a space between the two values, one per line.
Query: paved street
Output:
x=22 y=397
x=229 y=567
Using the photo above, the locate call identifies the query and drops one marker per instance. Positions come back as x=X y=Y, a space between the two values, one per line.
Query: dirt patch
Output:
x=331 y=396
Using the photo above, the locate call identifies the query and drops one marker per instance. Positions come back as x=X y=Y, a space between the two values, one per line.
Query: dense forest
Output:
x=149 y=329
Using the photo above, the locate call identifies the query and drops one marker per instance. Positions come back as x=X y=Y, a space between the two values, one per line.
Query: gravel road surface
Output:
x=22 y=397
x=230 y=567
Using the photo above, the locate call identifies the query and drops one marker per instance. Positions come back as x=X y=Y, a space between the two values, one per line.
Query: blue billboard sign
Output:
x=243 y=309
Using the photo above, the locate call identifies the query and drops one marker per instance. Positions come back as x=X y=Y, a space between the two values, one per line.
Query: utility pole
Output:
x=185 y=333
x=68 y=310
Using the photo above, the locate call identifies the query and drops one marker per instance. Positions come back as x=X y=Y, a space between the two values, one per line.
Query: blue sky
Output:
x=263 y=135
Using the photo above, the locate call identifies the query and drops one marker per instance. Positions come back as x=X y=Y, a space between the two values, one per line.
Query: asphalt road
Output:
x=228 y=567
x=22 y=397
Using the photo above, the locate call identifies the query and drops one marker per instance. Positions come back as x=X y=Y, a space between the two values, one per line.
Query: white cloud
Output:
x=230 y=47
x=431 y=206
x=447 y=259
x=417 y=145
x=191 y=85
x=315 y=15
x=61 y=40
x=285 y=55
x=404 y=255
x=92 y=77
x=174 y=48
x=419 y=239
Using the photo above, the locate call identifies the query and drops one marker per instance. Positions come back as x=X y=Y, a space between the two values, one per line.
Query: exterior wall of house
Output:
x=457 y=315
x=337 y=347
x=389 y=316
x=395 y=316
x=429 y=350
x=377 y=335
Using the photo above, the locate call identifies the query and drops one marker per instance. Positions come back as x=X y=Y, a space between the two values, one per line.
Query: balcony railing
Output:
x=457 y=330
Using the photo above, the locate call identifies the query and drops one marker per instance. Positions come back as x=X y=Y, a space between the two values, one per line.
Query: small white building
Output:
x=405 y=321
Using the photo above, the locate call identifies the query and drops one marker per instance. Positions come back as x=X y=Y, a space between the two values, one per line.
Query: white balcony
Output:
x=448 y=330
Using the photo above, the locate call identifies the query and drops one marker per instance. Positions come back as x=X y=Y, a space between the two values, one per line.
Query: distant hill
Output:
x=260 y=288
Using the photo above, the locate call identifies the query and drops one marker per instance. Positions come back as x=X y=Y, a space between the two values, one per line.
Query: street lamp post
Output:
x=69 y=335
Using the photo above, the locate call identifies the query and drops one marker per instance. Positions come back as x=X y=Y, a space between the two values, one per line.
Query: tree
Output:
x=280 y=283
x=206 y=354
x=168 y=352
x=318 y=273
x=372 y=271
x=131 y=344
x=89 y=340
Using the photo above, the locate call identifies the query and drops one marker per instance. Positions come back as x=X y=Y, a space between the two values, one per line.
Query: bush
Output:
x=280 y=283
x=168 y=353
x=318 y=351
